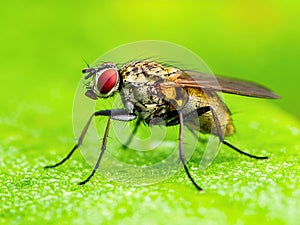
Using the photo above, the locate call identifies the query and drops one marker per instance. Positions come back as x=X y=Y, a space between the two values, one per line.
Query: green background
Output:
x=41 y=48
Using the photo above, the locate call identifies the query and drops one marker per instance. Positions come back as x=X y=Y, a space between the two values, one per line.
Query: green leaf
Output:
x=237 y=189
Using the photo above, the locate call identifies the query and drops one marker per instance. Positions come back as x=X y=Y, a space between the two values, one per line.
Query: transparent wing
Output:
x=228 y=85
x=210 y=153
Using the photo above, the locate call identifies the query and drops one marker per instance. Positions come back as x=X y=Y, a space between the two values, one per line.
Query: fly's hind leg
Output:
x=242 y=152
x=221 y=137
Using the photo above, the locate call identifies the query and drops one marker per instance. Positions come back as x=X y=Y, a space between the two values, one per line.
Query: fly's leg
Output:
x=174 y=120
x=221 y=137
x=103 y=147
x=181 y=151
x=79 y=142
x=116 y=114
x=136 y=126
x=242 y=152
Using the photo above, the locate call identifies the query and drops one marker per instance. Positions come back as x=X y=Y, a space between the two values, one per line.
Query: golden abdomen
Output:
x=199 y=98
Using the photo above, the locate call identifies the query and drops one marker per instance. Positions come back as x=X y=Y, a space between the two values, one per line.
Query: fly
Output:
x=151 y=91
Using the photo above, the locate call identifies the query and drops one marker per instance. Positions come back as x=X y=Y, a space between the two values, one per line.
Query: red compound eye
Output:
x=107 y=81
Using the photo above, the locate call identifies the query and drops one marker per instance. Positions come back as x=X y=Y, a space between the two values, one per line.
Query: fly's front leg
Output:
x=116 y=114
x=79 y=142
x=103 y=147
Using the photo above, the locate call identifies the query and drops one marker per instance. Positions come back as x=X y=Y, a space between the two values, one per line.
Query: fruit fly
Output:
x=151 y=90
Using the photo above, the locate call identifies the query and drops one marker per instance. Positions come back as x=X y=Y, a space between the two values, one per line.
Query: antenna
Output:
x=85 y=62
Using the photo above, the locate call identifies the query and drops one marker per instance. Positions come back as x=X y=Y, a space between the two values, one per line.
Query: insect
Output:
x=151 y=90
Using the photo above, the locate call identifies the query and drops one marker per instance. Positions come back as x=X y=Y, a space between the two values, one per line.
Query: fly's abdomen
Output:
x=198 y=99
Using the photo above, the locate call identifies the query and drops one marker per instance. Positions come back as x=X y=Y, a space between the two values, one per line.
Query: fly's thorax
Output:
x=144 y=71
x=141 y=93
x=142 y=86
